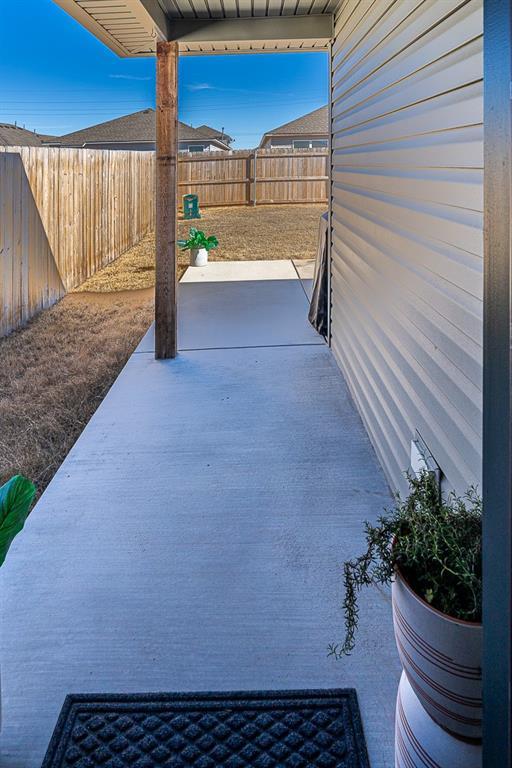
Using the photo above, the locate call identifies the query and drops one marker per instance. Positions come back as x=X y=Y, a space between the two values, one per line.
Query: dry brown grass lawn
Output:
x=244 y=233
x=55 y=372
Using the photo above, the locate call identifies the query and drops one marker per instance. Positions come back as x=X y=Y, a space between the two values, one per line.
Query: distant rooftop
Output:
x=134 y=128
x=15 y=136
x=314 y=123
x=212 y=133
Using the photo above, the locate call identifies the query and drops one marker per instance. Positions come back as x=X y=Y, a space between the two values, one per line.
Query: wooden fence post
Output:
x=248 y=179
x=255 y=179
x=166 y=344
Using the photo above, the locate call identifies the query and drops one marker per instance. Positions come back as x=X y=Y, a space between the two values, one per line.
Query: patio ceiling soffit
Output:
x=131 y=28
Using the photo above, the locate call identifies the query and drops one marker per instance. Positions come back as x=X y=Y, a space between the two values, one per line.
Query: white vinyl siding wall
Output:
x=407 y=168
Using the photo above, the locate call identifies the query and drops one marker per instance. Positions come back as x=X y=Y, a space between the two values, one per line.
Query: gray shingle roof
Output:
x=213 y=133
x=139 y=126
x=136 y=127
x=14 y=136
x=312 y=124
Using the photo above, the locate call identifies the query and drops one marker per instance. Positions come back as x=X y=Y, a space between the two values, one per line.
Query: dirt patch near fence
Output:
x=57 y=370
x=245 y=233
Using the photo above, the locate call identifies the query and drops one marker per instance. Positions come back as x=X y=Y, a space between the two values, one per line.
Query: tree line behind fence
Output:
x=65 y=213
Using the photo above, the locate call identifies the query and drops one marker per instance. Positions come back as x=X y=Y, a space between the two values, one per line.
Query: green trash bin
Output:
x=191 y=207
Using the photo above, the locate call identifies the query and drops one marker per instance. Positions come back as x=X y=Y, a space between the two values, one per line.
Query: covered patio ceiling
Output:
x=132 y=28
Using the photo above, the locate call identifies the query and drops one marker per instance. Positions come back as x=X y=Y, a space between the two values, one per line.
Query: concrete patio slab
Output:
x=307 y=286
x=250 y=313
x=305 y=268
x=222 y=271
x=193 y=540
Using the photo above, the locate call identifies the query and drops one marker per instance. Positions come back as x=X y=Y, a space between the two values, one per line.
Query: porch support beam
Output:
x=166 y=344
x=313 y=27
x=497 y=387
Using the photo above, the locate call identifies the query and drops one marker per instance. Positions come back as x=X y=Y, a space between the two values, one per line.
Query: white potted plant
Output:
x=199 y=245
x=429 y=549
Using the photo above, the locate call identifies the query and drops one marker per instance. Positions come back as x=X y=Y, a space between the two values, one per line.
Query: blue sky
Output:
x=55 y=77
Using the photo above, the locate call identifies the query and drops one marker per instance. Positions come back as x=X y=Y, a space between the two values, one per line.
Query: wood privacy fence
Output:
x=256 y=177
x=29 y=278
x=64 y=213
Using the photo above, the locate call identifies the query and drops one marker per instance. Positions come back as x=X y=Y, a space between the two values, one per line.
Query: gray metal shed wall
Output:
x=407 y=234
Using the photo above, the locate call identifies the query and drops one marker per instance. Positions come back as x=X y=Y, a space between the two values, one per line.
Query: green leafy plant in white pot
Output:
x=429 y=549
x=16 y=497
x=199 y=246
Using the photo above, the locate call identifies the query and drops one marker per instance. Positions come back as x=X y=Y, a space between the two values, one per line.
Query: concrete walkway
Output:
x=193 y=538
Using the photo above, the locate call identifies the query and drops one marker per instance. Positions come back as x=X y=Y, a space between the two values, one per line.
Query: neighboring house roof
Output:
x=188 y=133
x=138 y=127
x=315 y=123
x=213 y=133
x=14 y=136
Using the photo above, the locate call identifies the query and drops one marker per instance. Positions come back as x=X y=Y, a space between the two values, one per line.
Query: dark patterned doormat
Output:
x=272 y=729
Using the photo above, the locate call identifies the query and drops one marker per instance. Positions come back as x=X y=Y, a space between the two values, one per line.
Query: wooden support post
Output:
x=166 y=199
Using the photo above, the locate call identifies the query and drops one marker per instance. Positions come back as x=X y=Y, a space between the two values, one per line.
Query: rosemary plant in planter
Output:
x=199 y=245
x=429 y=549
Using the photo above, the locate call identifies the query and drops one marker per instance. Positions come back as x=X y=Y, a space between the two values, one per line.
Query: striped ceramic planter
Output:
x=422 y=743
x=442 y=659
